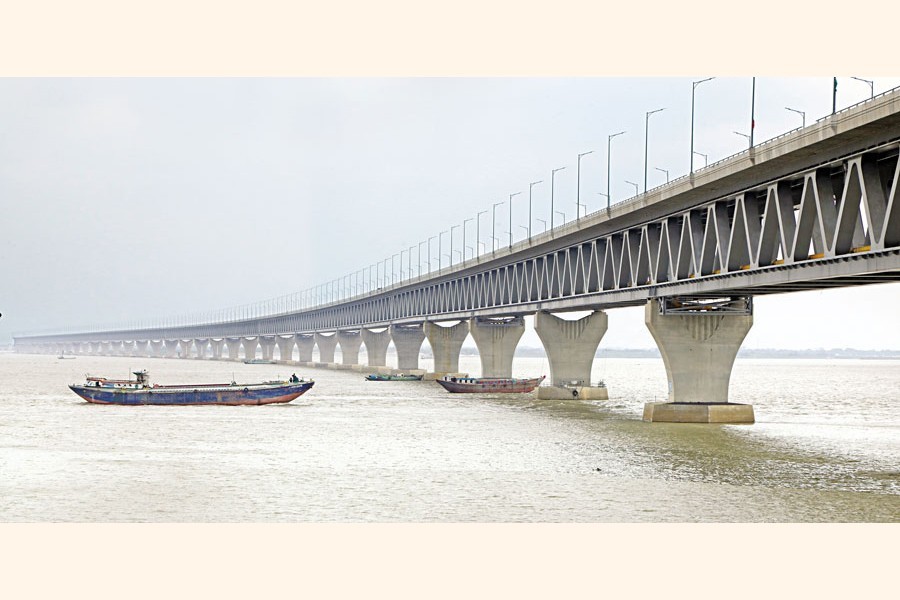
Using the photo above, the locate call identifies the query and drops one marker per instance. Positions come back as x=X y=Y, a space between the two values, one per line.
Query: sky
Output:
x=130 y=198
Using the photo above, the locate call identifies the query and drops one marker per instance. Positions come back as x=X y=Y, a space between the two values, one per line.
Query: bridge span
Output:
x=815 y=208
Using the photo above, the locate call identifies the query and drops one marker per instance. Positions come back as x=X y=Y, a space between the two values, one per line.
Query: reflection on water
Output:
x=825 y=448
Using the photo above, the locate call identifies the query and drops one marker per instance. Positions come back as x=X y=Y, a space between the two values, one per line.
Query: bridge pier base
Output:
x=446 y=343
x=305 y=344
x=408 y=342
x=268 y=347
x=571 y=347
x=234 y=348
x=216 y=346
x=497 y=340
x=186 y=347
x=350 y=342
x=201 y=345
x=698 y=350
x=170 y=348
x=376 y=346
x=156 y=348
x=326 y=344
x=285 y=348
x=250 y=345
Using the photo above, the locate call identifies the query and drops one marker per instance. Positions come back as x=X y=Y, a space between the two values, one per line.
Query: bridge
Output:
x=815 y=208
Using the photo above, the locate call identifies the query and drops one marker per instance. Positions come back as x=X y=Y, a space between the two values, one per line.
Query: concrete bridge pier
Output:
x=350 y=342
x=156 y=348
x=201 y=345
x=217 y=346
x=305 y=345
x=142 y=348
x=408 y=342
x=570 y=348
x=234 y=348
x=326 y=344
x=95 y=348
x=186 y=348
x=446 y=343
x=171 y=348
x=285 y=348
x=376 y=346
x=250 y=345
x=496 y=340
x=698 y=349
x=268 y=347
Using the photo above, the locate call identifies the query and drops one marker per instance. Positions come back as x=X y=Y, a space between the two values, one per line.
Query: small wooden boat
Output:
x=397 y=377
x=488 y=385
x=100 y=390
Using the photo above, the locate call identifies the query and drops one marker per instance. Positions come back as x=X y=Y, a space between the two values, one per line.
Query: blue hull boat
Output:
x=99 y=390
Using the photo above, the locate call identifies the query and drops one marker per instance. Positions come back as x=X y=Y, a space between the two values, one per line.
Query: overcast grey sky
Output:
x=141 y=198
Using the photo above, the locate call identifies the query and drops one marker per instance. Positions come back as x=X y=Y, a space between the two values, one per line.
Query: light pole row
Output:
x=327 y=291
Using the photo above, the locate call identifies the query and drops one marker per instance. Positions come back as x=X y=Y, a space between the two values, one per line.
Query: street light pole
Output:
x=510 y=217
x=705 y=158
x=478 y=231
x=452 y=227
x=799 y=112
x=749 y=137
x=871 y=86
x=429 y=253
x=464 y=238
x=552 y=181
x=635 y=186
x=664 y=171
x=420 y=259
x=608 y=161
x=530 y=186
x=694 y=89
x=409 y=261
x=753 y=112
x=646 y=139
x=494 y=227
x=578 y=187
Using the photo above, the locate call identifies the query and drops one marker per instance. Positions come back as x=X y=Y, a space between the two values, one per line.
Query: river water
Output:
x=825 y=448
